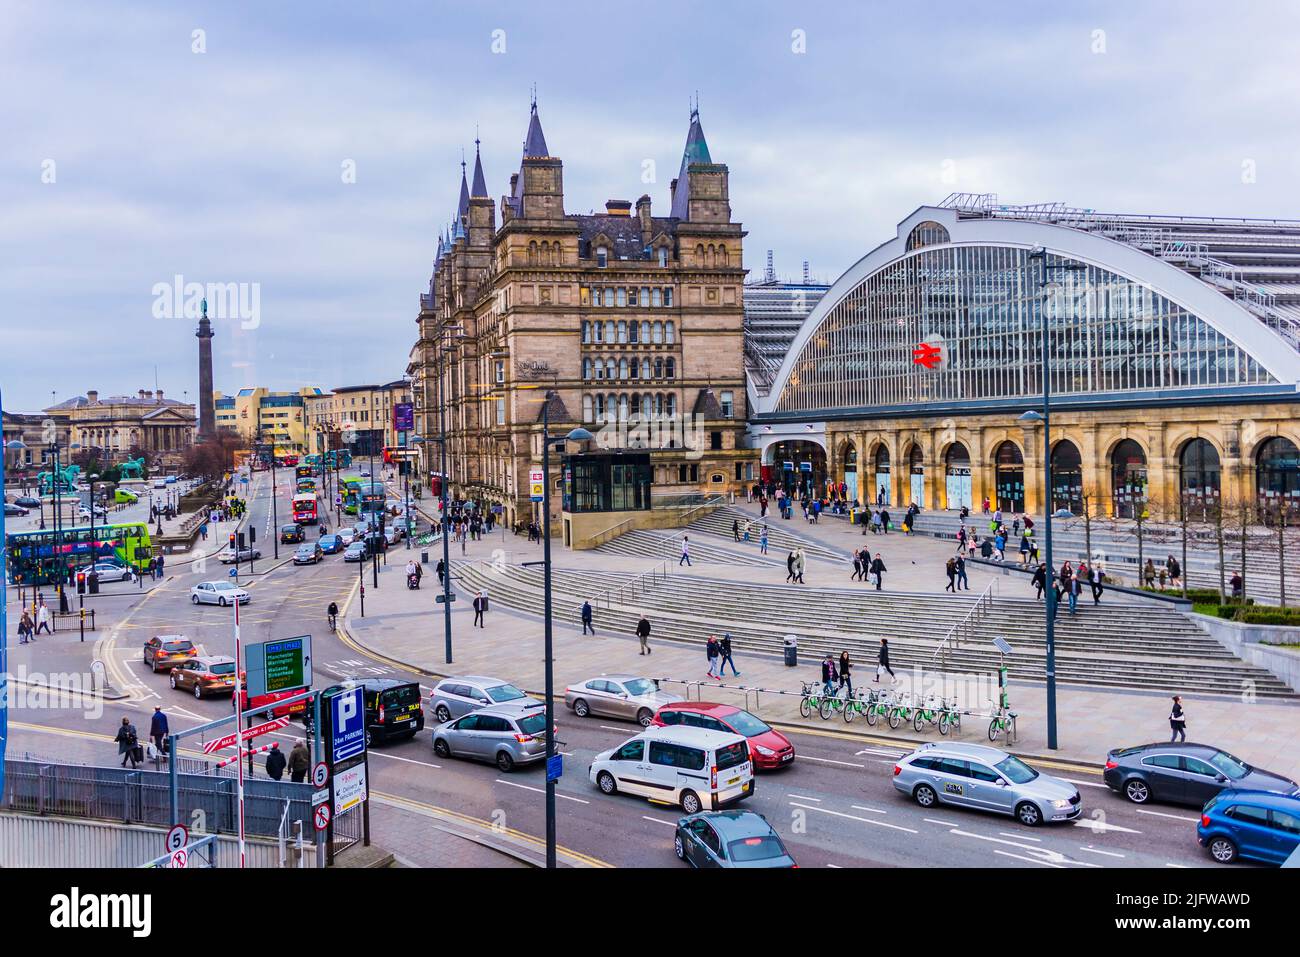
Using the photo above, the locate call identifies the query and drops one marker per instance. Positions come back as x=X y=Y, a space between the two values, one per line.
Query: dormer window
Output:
x=602 y=257
x=663 y=256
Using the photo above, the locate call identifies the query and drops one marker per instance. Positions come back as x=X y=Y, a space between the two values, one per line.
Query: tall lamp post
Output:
x=15 y=445
x=1048 y=288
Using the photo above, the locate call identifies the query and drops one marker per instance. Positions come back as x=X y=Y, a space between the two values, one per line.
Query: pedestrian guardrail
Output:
x=637 y=585
x=970 y=624
x=1176 y=600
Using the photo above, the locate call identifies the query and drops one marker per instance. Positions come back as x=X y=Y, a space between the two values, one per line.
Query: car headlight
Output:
x=765 y=752
x=1061 y=805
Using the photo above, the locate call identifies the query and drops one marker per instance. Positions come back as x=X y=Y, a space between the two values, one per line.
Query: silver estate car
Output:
x=618 y=696
x=454 y=697
x=984 y=778
x=504 y=734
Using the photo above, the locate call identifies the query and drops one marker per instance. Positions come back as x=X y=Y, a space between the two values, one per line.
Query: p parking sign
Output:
x=347 y=724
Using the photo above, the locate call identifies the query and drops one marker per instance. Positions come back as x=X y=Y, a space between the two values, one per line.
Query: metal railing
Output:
x=969 y=623
x=614 y=531
x=637 y=585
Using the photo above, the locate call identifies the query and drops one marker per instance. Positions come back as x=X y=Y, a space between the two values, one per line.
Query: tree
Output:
x=210 y=458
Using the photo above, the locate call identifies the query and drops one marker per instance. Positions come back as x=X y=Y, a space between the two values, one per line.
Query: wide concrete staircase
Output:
x=1118 y=546
x=781 y=539
x=1147 y=648
x=705 y=550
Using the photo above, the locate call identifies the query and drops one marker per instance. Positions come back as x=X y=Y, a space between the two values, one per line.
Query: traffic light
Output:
x=241 y=541
x=252 y=535
x=81 y=583
x=232 y=539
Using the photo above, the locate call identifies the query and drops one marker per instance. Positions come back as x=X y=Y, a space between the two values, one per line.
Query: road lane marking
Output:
x=892 y=754
x=1176 y=817
x=609 y=728
x=1094 y=850
x=1031 y=860
x=1181 y=867
x=854 y=817
x=804 y=797
x=1086 y=784
x=1023 y=837
x=659 y=820
x=1047 y=854
x=873 y=810
x=528 y=787
x=1098 y=826
x=847 y=764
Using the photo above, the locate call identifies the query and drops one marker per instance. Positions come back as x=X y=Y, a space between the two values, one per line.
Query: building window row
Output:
x=623 y=332
x=624 y=368
x=611 y=407
x=643 y=297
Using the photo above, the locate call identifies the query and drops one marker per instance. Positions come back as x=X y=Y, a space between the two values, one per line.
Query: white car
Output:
x=100 y=512
x=160 y=483
x=218 y=593
x=108 y=572
x=346 y=536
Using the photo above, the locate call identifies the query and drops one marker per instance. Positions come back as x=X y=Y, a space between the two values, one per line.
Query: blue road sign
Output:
x=233 y=572
x=348 y=724
x=555 y=767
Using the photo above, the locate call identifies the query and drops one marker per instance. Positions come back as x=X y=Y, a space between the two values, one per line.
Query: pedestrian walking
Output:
x=884 y=521
x=882 y=661
x=158 y=730
x=1175 y=572
x=586 y=618
x=711 y=652
x=962 y=580
x=799 y=563
x=1000 y=545
x=1072 y=590
x=275 y=762
x=857 y=567
x=643 y=633
x=1039 y=580
x=25 y=628
x=830 y=677
x=878 y=570
x=762 y=541
x=789 y=566
x=1238 y=586
x=724 y=651
x=1094 y=579
x=735 y=529
x=1149 y=574
x=128 y=742
x=1177 y=721
x=480 y=606
x=299 y=762
x=951 y=570
x=42 y=619
x=1024 y=550
x=686 y=552
x=846 y=669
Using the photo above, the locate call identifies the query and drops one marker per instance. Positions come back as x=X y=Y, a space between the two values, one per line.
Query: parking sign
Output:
x=348 y=724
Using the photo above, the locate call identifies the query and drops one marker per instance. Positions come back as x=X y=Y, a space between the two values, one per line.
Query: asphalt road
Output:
x=835 y=807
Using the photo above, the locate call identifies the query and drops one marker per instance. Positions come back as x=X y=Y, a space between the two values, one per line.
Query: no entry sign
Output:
x=320 y=817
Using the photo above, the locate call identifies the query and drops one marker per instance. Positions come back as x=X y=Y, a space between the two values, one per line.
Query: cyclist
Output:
x=332 y=612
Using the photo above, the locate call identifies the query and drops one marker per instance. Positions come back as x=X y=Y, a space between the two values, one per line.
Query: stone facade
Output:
x=532 y=305
x=162 y=428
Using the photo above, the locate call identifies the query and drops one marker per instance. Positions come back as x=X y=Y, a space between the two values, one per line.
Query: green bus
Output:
x=351 y=494
x=35 y=559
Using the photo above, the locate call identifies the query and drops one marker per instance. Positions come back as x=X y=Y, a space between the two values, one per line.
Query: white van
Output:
x=697 y=768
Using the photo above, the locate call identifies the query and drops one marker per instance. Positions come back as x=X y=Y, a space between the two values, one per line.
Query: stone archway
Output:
x=882 y=494
x=1277 y=478
x=916 y=471
x=1199 y=476
x=957 y=477
x=1009 y=477
x=848 y=470
x=1067 y=478
x=1128 y=471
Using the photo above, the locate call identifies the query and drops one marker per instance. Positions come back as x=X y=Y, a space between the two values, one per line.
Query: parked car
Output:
x=392 y=535
x=356 y=552
x=28 y=501
x=329 y=544
x=1185 y=773
x=768 y=747
x=232 y=556
x=218 y=593
x=290 y=534
x=204 y=676
x=111 y=572
x=12 y=509
x=629 y=697
x=729 y=839
x=84 y=512
x=455 y=697
x=695 y=768
x=164 y=652
x=987 y=779
x=393 y=708
x=159 y=483
x=262 y=700
x=308 y=553
x=505 y=734
x=1261 y=826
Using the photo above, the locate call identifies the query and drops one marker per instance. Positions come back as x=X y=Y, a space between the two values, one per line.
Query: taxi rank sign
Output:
x=280 y=665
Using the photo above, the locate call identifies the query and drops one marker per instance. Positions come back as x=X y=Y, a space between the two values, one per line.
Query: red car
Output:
x=768 y=748
x=298 y=708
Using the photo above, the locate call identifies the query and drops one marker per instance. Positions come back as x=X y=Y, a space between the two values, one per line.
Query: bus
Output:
x=304 y=509
x=306 y=485
x=372 y=497
x=289 y=459
x=303 y=471
x=351 y=494
x=34 y=558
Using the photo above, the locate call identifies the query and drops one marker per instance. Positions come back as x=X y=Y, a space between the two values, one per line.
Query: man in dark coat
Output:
x=275 y=762
x=878 y=570
x=643 y=633
x=158 y=730
x=586 y=618
x=883 y=660
x=299 y=762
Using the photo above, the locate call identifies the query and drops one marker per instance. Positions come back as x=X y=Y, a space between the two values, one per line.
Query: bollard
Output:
x=83 y=624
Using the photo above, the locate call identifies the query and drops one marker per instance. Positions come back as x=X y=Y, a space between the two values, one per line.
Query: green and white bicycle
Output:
x=811 y=699
x=1004 y=722
x=879 y=705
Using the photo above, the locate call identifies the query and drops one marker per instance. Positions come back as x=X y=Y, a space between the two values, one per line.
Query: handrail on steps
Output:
x=966 y=626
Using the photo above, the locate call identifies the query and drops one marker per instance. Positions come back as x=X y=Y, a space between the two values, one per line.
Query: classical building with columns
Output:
x=1173 y=344
x=162 y=428
x=634 y=320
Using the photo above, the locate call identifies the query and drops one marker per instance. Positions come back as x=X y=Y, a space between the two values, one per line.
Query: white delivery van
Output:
x=696 y=768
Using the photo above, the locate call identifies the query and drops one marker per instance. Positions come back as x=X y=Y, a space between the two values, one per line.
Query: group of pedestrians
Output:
x=1170 y=574
x=865 y=564
x=29 y=627
x=956 y=571
x=1069 y=582
x=718 y=651
x=795 y=563
x=877 y=521
x=838 y=674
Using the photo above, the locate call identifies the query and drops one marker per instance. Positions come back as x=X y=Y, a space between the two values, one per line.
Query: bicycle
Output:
x=926 y=713
x=880 y=704
x=1004 y=721
x=811 y=700
x=861 y=703
x=901 y=711
x=832 y=703
x=949 y=717
x=333 y=620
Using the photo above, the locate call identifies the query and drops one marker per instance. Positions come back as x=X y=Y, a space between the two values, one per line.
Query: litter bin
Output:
x=791 y=648
x=424 y=558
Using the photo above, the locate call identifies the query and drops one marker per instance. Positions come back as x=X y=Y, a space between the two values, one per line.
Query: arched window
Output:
x=598 y=328
x=663 y=255
x=1128 y=471
x=586 y=368
x=609 y=368
x=1277 y=478
x=586 y=331
x=611 y=407
x=670 y=332
x=659 y=403
x=1198 y=474
x=670 y=404
x=645 y=330
x=602 y=256
x=1067 y=478
x=645 y=368
x=586 y=408
x=611 y=331
x=928 y=233
x=656 y=298
x=532 y=254
x=622 y=331
x=647 y=404
x=957 y=477
x=670 y=368
x=622 y=368
x=699 y=255
x=1009 y=477
x=620 y=295
x=600 y=407
x=622 y=407
x=658 y=333
x=659 y=368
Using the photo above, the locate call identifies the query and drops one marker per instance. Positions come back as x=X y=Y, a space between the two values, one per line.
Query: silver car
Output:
x=505 y=734
x=630 y=697
x=218 y=593
x=454 y=697
x=984 y=778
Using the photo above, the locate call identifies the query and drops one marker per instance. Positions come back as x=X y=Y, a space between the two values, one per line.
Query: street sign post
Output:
x=320 y=817
x=347 y=779
x=279 y=665
x=347 y=724
x=177 y=838
x=320 y=774
x=536 y=485
x=555 y=767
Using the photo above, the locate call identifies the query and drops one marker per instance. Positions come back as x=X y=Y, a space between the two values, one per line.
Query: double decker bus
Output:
x=34 y=558
x=303 y=471
x=351 y=495
x=306 y=485
x=304 y=508
x=289 y=459
x=372 y=496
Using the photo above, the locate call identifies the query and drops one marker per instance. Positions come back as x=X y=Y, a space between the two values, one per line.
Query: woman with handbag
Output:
x=128 y=744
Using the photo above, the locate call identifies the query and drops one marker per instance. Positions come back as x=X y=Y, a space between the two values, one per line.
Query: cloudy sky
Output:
x=214 y=141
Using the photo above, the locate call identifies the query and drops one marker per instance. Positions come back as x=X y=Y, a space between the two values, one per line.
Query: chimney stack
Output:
x=160 y=397
x=142 y=394
x=643 y=214
x=92 y=397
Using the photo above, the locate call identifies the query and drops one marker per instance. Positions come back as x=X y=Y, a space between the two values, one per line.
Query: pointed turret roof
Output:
x=462 y=207
x=479 y=189
x=697 y=151
x=535 y=142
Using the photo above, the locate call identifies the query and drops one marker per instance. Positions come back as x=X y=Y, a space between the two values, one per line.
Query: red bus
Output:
x=304 y=509
x=289 y=460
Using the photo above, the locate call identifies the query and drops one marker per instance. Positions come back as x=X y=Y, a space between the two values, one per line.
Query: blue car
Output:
x=329 y=544
x=1259 y=826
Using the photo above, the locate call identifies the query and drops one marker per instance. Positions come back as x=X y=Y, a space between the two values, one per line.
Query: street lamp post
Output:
x=1049 y=592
